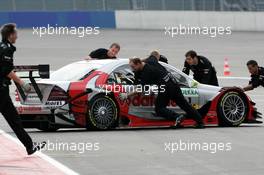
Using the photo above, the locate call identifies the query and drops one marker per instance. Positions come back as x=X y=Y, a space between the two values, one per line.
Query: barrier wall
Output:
x=105 y=19
x=238 y=21
x=125 y=19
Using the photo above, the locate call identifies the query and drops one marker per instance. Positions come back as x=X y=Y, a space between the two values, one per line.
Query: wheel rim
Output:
x=103 y=112
x=234 y=108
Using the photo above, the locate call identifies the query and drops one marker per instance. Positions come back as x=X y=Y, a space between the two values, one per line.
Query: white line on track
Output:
x=50 y=160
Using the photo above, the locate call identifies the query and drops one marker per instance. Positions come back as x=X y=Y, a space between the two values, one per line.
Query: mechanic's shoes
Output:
x=36 y=147
x=179 y=119
x=199 y=126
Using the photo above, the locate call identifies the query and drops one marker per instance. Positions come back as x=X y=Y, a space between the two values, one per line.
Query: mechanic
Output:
x=202 y=68
x=154 y=75
x=158 y=56
x=102 y=53
x=257 y=75
x=153 y=59
x=7 y=49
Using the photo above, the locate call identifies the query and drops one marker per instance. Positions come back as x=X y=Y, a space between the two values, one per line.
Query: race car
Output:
x=85 y=94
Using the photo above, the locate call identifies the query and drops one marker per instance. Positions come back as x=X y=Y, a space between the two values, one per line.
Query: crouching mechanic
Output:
x=202 y=68
x=154 y=75
x=257 y=75
x=7 y=49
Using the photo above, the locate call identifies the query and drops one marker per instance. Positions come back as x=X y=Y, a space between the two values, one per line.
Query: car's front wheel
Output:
x=103 y=113
x=232 y=109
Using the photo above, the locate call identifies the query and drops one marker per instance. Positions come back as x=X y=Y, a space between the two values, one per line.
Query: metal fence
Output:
x=84 y=5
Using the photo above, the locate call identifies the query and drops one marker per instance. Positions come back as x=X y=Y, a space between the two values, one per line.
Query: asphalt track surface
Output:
x=144 y=151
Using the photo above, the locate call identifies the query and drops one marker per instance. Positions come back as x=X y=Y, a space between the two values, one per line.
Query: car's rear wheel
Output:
x=103 y=113
x=232 y=109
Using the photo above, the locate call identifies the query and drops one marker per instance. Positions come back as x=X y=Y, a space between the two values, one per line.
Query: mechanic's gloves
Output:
x=123 y=96
x=26 y=87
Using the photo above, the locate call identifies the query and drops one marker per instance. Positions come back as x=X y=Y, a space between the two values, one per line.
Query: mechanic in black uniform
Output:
x=158 y=56
x=156 y=74
x=7 y=49
x=102 y=53
x=202 y=68
x=153 y=59
x=257 y=75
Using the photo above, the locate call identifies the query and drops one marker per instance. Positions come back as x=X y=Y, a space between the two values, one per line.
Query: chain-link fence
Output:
x=83 y=5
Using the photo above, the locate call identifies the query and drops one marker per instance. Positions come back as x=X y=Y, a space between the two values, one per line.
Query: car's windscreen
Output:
x=72 y=72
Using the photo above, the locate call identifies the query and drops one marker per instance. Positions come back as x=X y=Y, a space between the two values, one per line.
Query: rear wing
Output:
x=43 y=72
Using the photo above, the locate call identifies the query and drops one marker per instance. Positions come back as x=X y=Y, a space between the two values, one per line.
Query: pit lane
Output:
x=142 y=151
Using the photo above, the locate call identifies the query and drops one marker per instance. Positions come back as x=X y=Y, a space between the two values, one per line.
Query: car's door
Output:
x=138 y=105
x=142 y=105
x=188 y=86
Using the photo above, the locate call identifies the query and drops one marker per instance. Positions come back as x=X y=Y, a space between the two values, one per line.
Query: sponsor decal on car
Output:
x=54 y=104
x=28 y=108
x=146 y=101
x=190 y=92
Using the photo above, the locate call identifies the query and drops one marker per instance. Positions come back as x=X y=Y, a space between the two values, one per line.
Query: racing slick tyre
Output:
x=232 y=109
x=103 y=113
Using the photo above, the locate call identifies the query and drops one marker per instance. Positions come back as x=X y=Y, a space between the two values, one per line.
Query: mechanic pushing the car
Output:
x=7 y=49
x=153 y=59
x=202 y=68
x=156 y=74
x=102 y=53
x=155 y=54
x=257 y=75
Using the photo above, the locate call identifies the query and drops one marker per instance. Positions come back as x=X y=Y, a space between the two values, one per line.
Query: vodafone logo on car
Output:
x=145 y=101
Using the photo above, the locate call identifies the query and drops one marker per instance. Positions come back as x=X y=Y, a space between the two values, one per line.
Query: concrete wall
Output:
x=238 y=21
x=102 y=19
x=125 y=19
